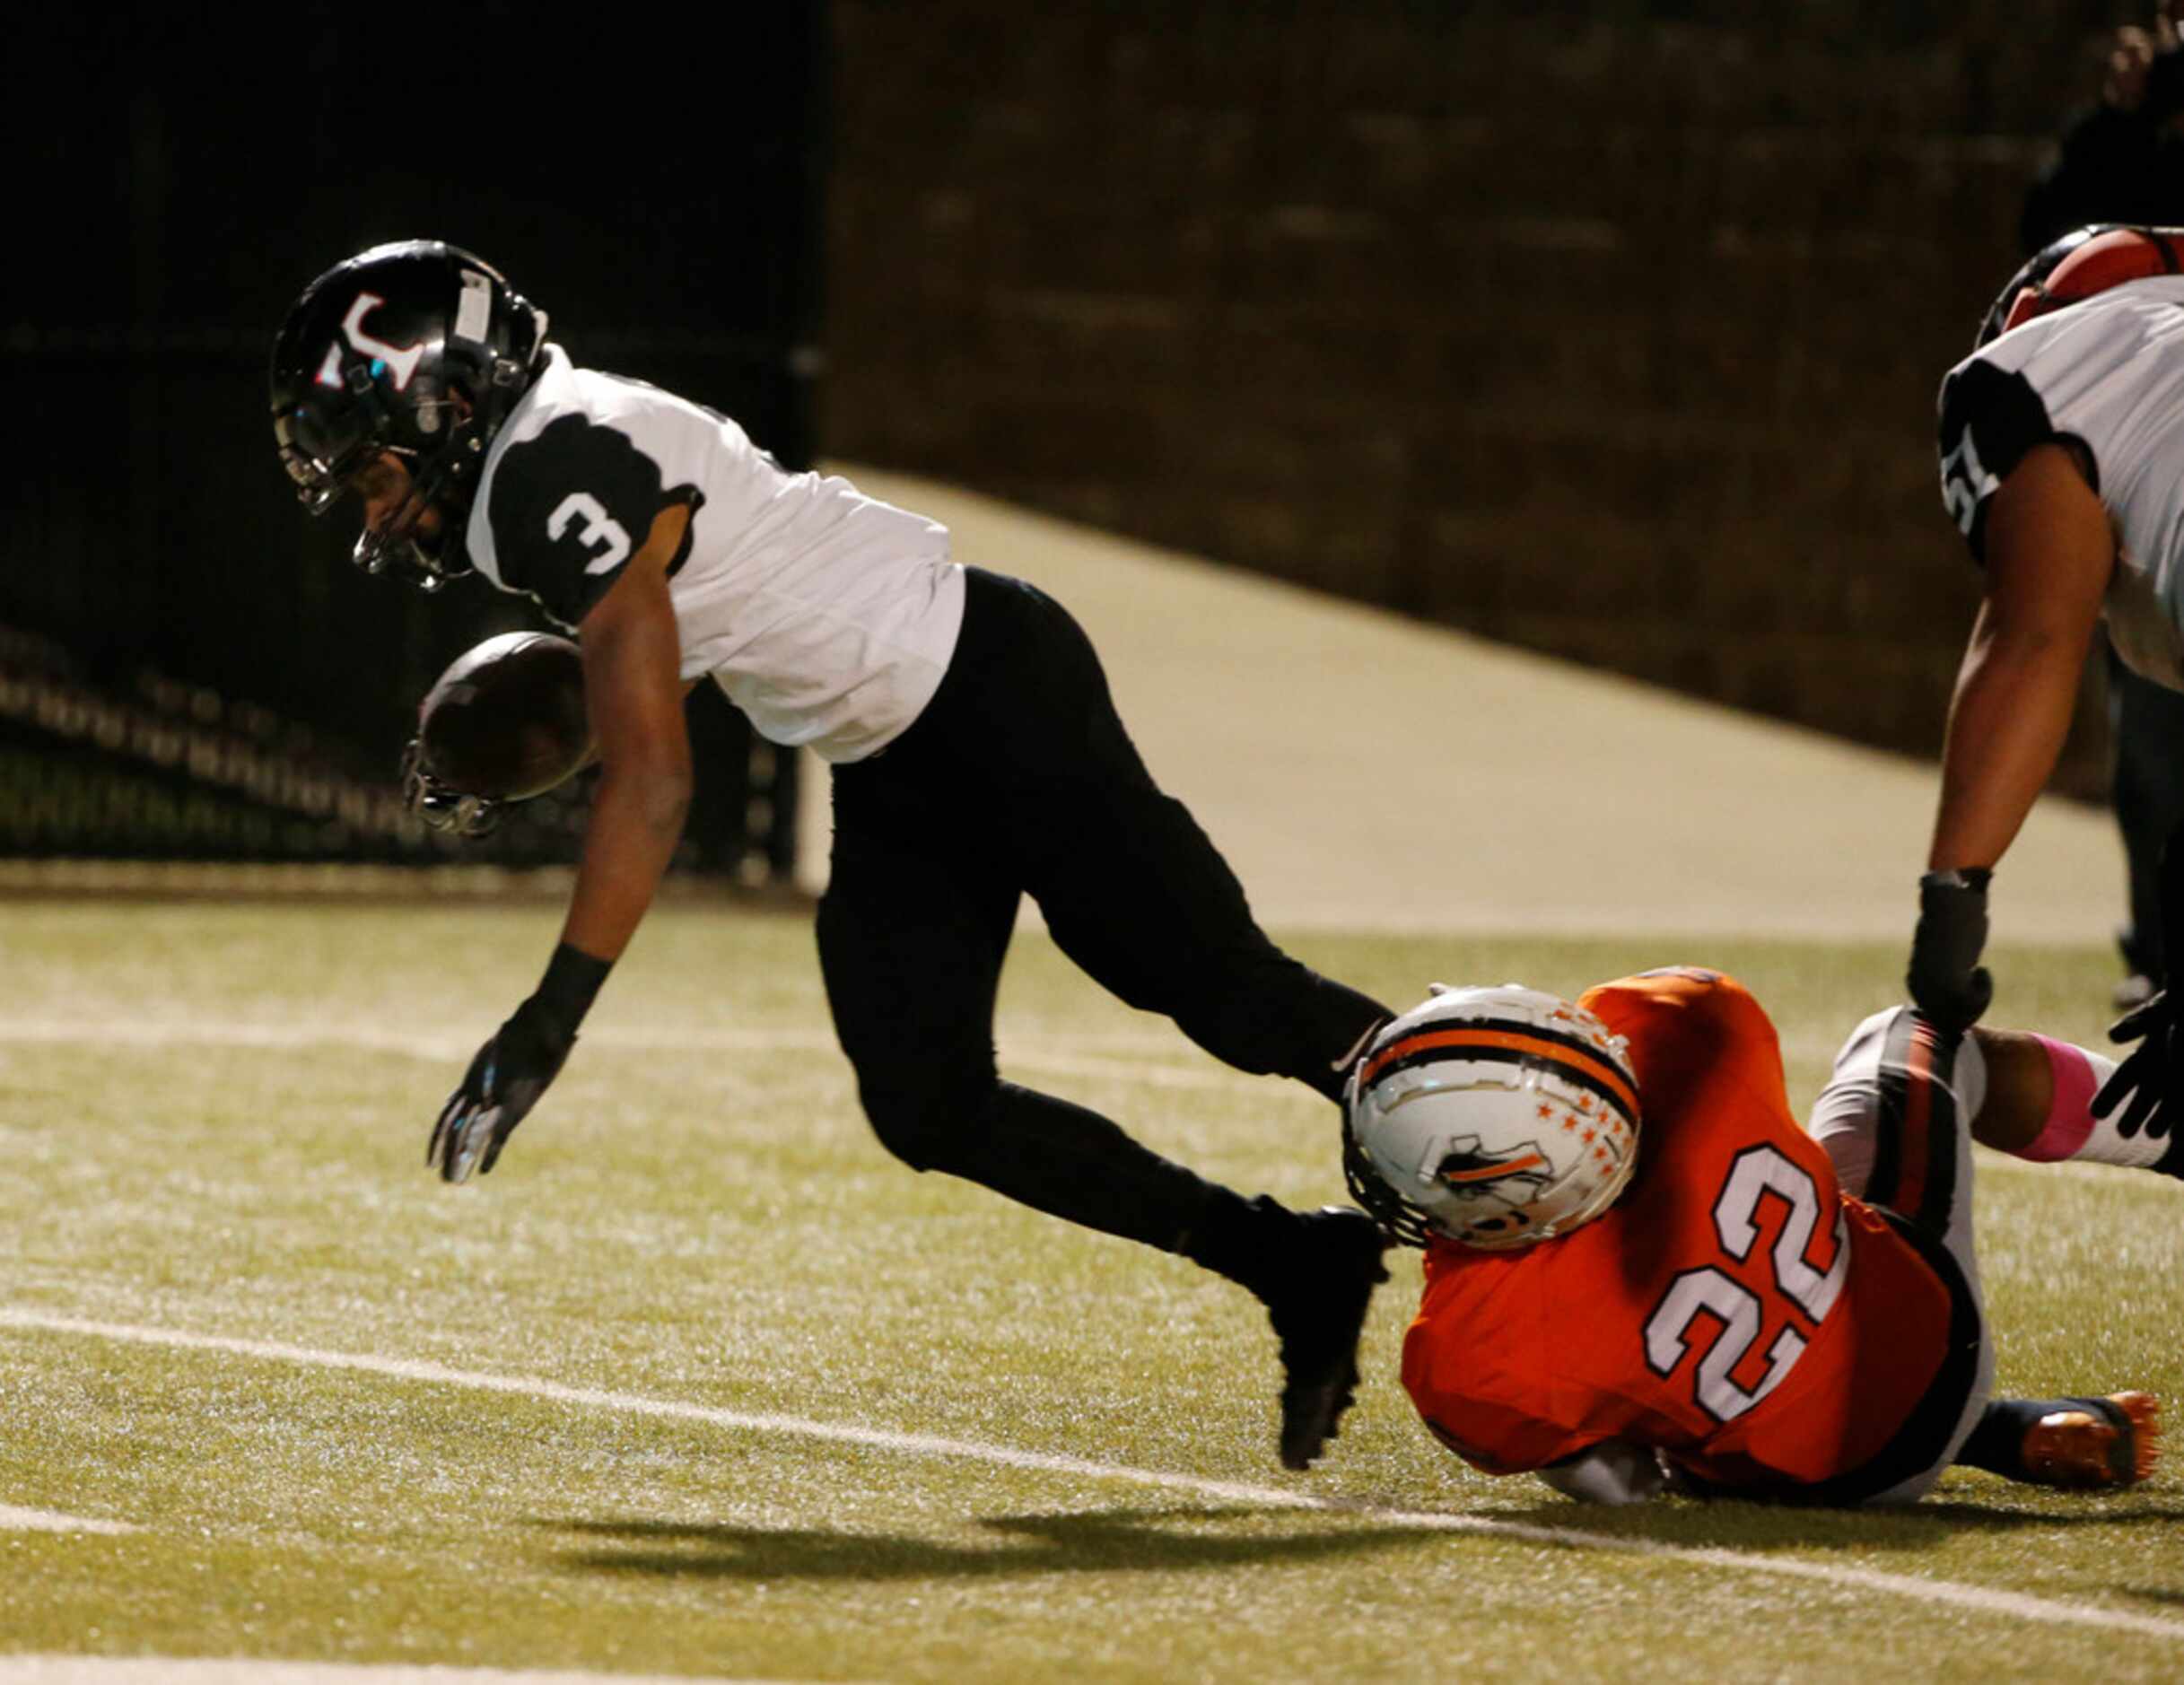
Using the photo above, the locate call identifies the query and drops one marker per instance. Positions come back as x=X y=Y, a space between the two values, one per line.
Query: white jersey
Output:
x=827 y=616
x=2107 y=374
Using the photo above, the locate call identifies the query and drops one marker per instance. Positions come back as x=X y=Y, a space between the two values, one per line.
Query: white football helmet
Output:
x=1494 y=1116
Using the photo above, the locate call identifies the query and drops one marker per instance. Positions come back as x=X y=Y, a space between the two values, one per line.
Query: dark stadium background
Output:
x=1611 y=330
x=198 y=670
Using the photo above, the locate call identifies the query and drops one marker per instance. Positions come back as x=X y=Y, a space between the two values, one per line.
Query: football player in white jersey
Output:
x=2062 y=461
x=977 y=757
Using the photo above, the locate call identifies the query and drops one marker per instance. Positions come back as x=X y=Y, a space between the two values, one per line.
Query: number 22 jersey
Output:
x=1734 y=1310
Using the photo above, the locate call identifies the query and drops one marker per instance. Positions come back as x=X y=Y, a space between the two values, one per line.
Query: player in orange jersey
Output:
x=1641 y=1272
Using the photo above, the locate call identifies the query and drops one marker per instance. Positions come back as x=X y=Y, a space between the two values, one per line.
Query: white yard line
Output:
x=1982 y=1600
x=296 y=1032
x=288 y=1036
x=13 y=1519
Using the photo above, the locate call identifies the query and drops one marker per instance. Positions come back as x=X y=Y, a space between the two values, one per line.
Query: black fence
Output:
x=188 y=666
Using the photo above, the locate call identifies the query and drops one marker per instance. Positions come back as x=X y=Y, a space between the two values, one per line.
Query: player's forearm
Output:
x=2006 y=725
x=637 y=817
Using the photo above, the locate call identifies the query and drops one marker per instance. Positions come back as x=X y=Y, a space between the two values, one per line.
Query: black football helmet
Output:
x=2012 y=304
x=505 y=722
x=2074 y=267
x=416 y=348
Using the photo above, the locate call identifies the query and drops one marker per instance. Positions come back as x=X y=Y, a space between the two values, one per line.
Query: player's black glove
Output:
x=502 y=1086
x=2145 y=1085
x=1947 y=982
x=514 y=1068
x=2149 y=1084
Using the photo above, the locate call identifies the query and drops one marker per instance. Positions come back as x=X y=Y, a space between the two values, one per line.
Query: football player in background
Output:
x=2121 y=161
x=977 y=757
x=1640 y=1271
x=2062 y=464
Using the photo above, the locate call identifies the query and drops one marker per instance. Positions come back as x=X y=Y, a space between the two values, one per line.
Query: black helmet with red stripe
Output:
x=2078 y=265
x=1497 y=1117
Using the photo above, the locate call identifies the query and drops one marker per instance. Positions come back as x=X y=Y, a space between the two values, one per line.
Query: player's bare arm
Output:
x=2049 y=554
x=633 y=696
x=633 y=691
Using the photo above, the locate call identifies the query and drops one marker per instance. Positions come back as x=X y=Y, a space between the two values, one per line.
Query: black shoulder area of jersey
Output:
x=1990 y=416
x=569 y=508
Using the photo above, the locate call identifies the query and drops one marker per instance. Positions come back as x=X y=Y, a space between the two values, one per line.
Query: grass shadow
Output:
x=1103 y=1542
x=1169 y=1539
x=1727 y=1524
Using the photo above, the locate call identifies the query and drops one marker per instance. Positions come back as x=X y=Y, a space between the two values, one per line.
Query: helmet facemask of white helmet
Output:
x=1498 y=1117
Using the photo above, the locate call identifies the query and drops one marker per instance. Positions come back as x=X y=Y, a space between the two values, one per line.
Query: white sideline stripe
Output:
x=155 y=1670
x=2014 y=1605
x=185 y=1033
x=13 y=1519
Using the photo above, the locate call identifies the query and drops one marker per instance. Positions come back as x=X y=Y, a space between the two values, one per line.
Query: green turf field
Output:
x=771 y=1405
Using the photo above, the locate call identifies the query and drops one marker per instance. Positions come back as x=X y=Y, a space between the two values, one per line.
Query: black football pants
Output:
x=1019 y=778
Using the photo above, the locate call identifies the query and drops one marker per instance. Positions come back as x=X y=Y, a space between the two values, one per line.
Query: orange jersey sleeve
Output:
x=1733 y=1309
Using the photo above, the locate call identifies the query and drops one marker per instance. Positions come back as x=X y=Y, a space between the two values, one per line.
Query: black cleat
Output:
x=1318 y=1315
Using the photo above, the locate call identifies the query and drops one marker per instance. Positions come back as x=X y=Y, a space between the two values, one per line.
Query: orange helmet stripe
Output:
x=1598 y=1071
x=1495 y=1173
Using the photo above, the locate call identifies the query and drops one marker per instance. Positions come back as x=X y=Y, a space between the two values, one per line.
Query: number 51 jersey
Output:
x=827 y=616
x=1734 y=1310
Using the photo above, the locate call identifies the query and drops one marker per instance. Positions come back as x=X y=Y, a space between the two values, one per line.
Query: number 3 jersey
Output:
x=1734 y=1310
x=827 y=616
x=2108 y=374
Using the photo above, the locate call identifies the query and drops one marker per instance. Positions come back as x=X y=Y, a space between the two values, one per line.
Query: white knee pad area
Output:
x=1847 y=1113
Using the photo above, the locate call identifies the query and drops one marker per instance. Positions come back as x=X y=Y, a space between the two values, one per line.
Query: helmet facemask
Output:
x=441 y=807
x=398 y=547
x=325 y=442
x=325 y=446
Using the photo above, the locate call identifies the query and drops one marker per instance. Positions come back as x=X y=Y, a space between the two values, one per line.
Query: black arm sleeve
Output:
x=569 y=510
x=1989 y=418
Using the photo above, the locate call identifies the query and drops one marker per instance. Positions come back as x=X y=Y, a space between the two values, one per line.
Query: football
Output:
x=506 y=721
